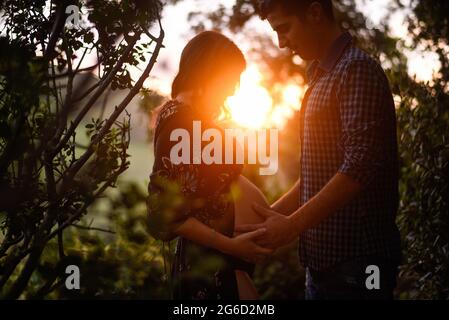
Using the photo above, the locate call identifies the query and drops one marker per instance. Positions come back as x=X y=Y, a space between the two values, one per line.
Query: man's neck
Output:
x=328 y=40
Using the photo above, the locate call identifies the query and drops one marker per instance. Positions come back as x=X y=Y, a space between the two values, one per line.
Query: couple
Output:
x=343 y=205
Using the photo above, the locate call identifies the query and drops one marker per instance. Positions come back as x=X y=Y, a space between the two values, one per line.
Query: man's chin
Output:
x=303 y=55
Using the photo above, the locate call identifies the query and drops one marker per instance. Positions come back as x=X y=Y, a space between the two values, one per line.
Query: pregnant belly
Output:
x=245 y=193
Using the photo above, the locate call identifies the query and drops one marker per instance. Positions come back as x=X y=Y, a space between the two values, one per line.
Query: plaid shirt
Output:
x=349 y=126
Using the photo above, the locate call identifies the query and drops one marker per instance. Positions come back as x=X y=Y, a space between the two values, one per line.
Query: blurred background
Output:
x=110 y=241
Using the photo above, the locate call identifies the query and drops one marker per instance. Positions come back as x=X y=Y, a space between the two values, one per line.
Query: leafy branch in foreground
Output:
x=46 y=181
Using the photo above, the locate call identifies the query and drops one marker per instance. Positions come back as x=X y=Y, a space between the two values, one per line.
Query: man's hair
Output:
x=295 y=7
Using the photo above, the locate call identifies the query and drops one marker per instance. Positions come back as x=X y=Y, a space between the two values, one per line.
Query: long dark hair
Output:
x=208 y=53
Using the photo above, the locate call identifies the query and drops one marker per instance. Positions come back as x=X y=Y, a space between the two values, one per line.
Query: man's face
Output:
x=293 y=33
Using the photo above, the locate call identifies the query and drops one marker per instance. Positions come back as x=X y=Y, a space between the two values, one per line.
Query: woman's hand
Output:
x=244 y=247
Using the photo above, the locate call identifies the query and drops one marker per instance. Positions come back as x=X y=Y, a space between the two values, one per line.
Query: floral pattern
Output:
x=205 y=189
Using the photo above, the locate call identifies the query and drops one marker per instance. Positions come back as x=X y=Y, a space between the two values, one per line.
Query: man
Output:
x=343 y=206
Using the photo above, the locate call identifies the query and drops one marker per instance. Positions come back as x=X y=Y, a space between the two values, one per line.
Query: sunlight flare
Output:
x=252 y=105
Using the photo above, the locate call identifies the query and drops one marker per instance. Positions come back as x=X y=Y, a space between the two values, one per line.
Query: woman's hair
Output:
x=207 y=54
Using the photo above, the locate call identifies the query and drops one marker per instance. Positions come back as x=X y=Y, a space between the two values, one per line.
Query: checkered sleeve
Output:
x=363 y=103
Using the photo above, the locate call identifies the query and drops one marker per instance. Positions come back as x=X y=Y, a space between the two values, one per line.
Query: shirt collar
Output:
x=332 y=56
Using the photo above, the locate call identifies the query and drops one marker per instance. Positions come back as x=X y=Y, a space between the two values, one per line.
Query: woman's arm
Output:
x=169 y=218
x=242 y=246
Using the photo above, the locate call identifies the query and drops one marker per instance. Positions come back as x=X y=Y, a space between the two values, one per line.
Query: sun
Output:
x=252 y=105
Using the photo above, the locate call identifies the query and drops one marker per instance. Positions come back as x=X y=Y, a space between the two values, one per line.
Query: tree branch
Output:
x=58 y=26
x=20 y=284
x=96 y=95
x=92 y=228
x=80 y=211
x=118 y=110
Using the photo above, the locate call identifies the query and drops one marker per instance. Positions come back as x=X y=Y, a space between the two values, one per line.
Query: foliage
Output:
x=423 y=119
x=47 y=182
x=123 y=263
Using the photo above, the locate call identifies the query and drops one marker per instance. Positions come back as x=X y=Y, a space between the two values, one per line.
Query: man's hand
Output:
x=279 y=229
x=244 y=247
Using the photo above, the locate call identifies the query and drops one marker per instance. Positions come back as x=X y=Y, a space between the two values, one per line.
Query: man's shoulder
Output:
x=357 y=60
x=354 y=54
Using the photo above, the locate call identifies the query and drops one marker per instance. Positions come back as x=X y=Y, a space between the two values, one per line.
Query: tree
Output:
x=47 y=181
x=423 y=118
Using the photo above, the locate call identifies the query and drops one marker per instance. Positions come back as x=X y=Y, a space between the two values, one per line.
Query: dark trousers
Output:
x=353 y=280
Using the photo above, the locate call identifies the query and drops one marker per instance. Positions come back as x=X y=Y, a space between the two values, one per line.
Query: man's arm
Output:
x=281 y=229
x=289 y=202
x=338 y=192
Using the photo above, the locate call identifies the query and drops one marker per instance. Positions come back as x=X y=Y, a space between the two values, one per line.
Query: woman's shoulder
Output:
x=168 y=110
x=171 y=113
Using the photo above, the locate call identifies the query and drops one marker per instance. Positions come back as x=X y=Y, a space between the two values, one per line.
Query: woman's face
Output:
x=219 y=88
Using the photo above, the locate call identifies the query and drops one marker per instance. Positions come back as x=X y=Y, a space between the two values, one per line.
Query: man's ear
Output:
x=315 y=13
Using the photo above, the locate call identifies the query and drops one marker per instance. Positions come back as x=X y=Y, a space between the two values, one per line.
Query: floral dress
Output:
x=179 y=191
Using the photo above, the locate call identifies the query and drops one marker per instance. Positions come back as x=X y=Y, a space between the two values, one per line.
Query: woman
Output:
x=199 y=203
